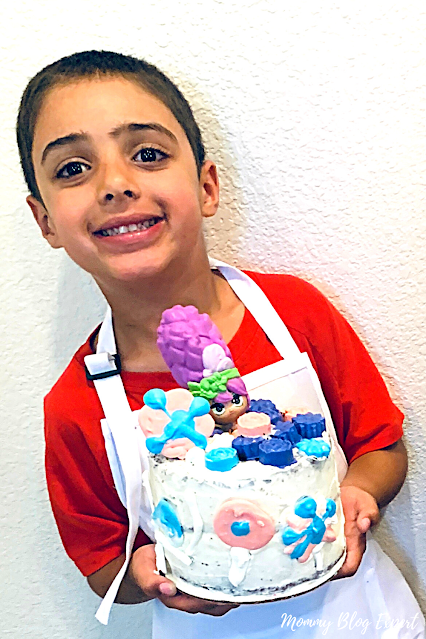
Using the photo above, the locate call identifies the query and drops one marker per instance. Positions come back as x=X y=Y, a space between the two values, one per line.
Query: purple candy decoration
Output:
x=247 y=447
x=276 y=452
x=267 y=407
x=310 y=425
x=288 y=431
x=183 y=335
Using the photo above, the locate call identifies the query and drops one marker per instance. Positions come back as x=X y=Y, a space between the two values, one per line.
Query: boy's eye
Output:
x=71 y=169
x=149 y=154
x=237 y=400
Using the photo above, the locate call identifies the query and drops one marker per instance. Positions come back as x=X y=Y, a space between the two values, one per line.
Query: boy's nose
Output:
x=117 y=185
x=127 y=193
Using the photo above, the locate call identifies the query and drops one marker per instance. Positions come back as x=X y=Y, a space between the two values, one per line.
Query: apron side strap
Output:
x=124 y=430
x=133 y=498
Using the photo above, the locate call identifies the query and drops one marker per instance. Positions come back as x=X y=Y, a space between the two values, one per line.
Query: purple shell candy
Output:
x=183 y=335
x=276 y=452
x=247 y=447
x=309 y=425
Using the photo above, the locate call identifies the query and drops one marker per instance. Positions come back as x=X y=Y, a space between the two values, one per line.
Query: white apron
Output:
x=375 y=603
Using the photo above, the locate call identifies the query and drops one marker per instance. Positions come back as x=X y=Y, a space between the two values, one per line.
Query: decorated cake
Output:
x=244 y=492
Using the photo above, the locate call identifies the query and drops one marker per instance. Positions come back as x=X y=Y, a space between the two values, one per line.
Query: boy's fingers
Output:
x=355 y=547
x=144 y=572
x=193 y=605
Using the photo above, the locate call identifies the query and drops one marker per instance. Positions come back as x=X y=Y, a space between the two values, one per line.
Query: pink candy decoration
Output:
x=152 y=421
x=177 y=448
x=262 y=527
x=253 y=425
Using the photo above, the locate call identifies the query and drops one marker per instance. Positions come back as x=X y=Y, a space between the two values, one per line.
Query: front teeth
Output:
x=120 y=230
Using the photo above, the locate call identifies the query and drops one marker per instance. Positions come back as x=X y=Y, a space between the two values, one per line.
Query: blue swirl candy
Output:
x=221 y=459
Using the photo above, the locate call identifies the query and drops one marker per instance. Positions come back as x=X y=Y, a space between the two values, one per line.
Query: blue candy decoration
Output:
x=156 y=399
x=314 y=447
x=310 y=425
x=221 y=459
x=267 y=407
x=287 y=430
x=306 y=507
x=276 y=452
x=240 y=528
x=167 y=520
x=247 y=447
x=181 y=421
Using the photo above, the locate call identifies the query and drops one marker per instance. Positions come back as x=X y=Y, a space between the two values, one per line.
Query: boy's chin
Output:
x=138 y=271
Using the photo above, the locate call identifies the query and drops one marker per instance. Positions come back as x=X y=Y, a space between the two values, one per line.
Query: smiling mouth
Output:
x=130 y=228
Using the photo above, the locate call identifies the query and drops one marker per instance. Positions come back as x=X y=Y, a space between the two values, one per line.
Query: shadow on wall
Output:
x=393 y=549
x=80 y=308
x=405 y=508
x=223 y=231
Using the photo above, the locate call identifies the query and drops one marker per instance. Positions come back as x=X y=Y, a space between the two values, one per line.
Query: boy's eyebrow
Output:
x=137 y=126
x=122 y=128
x=66 y=139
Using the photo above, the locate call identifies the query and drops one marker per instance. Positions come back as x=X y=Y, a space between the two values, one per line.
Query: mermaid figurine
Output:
x=199 y=359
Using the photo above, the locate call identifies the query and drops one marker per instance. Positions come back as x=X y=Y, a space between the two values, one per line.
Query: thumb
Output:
x=144 y=572
x=368 y=516
x=167 y=588
x=363 y=524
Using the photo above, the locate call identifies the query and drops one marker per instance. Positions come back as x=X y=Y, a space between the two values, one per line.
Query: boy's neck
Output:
x=137 y=310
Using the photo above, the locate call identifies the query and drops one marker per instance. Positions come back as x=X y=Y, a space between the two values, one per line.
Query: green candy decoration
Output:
x=210 y=387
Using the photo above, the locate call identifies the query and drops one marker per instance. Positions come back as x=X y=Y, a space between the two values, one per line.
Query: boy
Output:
x=115 y=165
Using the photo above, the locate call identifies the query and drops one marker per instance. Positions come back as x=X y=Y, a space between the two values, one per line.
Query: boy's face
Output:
x=118 y=180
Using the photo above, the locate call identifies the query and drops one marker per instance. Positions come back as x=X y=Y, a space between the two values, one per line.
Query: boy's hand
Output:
x=361 y=512
x=142 y=570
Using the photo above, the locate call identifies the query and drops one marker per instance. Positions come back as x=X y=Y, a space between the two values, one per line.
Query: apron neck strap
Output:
x=255 y=300
x=106 y=337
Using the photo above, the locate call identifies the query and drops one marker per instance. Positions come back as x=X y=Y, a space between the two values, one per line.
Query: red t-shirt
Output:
x=92 y=521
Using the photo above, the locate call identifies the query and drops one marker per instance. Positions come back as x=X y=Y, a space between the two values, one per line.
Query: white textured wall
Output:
x=316 y=118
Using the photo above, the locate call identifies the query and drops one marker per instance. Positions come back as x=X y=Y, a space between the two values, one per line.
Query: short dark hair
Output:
x=96 y=64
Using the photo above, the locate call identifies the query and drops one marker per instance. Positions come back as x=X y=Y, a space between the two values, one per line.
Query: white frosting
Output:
x=240 y=558
x=216 y=571
x=197 y=521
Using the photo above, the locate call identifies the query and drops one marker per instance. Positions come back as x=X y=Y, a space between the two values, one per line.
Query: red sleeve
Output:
x=364 y=415
x=366 y=418
x=91 y=520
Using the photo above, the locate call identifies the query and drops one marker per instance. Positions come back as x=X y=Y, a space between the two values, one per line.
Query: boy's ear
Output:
x=44 y=221
x=209 y=189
